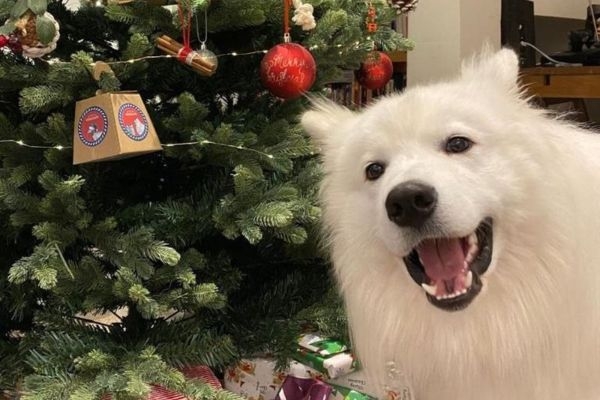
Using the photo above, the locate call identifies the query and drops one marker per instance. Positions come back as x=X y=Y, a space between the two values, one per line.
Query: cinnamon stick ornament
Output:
x=204 y=66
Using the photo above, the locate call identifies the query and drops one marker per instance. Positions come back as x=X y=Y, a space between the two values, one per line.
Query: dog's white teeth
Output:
x=472 y=239
x=429 y=289
x=469 y=279
x=450 y=295
x=455 y=294
x=473 y=249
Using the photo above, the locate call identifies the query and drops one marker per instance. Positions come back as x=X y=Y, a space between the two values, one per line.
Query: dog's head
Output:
x=427 y=175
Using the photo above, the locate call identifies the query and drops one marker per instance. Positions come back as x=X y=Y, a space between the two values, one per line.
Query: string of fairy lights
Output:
x=165 y=145
x=231 y=54
x=59 y=147
x=134 y=60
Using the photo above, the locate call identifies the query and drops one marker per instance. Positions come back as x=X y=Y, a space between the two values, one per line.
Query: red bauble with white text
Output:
x=288 y=70
x=376 y=71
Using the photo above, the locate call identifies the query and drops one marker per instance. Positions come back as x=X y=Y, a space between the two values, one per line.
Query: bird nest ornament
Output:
x=35 y=29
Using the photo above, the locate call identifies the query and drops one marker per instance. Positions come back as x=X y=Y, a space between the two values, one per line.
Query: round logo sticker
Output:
x=133 y=122
x=93 y=126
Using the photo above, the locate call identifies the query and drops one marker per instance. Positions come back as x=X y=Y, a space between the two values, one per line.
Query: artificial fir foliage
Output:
x=201 y=253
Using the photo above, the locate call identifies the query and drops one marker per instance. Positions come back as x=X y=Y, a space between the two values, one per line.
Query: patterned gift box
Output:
x=255 y=379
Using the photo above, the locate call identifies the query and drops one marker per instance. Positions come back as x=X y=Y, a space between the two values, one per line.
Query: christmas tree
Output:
x=115 y=274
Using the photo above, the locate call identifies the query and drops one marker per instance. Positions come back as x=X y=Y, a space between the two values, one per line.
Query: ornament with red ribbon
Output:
x=288 y=70
x=204 y=61
x=371 y=20
x=376 y=71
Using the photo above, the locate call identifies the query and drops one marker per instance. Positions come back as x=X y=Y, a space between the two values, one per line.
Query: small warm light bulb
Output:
x=20 y=143
x=59 y=147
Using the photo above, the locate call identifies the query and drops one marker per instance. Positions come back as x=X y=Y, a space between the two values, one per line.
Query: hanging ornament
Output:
x=111 y=126
x=376 y=71
x=204 y=61
x=371 y=20
x=204 y=53
x=303 y=15
x=403 y=6
x=32 y=30
x=288 y=70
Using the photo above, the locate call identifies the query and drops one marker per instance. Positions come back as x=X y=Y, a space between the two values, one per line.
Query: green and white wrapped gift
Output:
x=328 y=356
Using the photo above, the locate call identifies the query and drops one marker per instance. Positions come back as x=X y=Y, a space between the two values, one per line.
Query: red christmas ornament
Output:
x=14 y=44
x=288 y=70
x=3 y=40
x=376 y=71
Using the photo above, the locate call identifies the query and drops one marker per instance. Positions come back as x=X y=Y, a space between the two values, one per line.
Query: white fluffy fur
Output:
x=533 y=333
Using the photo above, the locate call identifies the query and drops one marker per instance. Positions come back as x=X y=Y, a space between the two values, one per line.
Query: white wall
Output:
x=447 y=31
x=562 y=8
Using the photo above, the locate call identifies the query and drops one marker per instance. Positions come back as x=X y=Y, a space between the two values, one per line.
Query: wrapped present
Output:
x=328 y=356
x=299 y=389
x=343 y=393
x=332 y=366
x=255 y=379
x=111 y=126
x=358 y=386
x=351 y=392
x=320 y=345
x=294 y=388
x=300 y=370
x=200 y=372
x=203 y=373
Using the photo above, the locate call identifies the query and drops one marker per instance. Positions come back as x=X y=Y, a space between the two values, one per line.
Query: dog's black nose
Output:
x=411 y=203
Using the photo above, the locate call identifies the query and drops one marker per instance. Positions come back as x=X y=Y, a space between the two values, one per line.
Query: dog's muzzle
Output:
x=448 y=269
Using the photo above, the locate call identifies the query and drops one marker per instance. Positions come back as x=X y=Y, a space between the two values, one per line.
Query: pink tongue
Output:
x=443 y=259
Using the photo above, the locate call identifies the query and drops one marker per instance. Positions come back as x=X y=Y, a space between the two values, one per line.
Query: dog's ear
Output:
x=323 y=121
x=499 y=68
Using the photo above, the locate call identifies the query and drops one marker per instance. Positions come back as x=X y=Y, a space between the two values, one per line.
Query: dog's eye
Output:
x=374 y=171
x=458 y=144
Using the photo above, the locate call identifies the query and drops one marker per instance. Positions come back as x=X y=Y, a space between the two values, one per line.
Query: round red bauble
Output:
x=288 y=70
x=376 y=71
x=3 y=40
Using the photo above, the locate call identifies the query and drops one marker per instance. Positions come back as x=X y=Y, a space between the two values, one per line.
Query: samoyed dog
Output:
x=464 y=227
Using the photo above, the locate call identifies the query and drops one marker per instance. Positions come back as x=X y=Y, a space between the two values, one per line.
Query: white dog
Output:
x=465 y=235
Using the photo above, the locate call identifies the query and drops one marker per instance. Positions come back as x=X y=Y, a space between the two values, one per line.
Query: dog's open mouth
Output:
x=449 y=269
